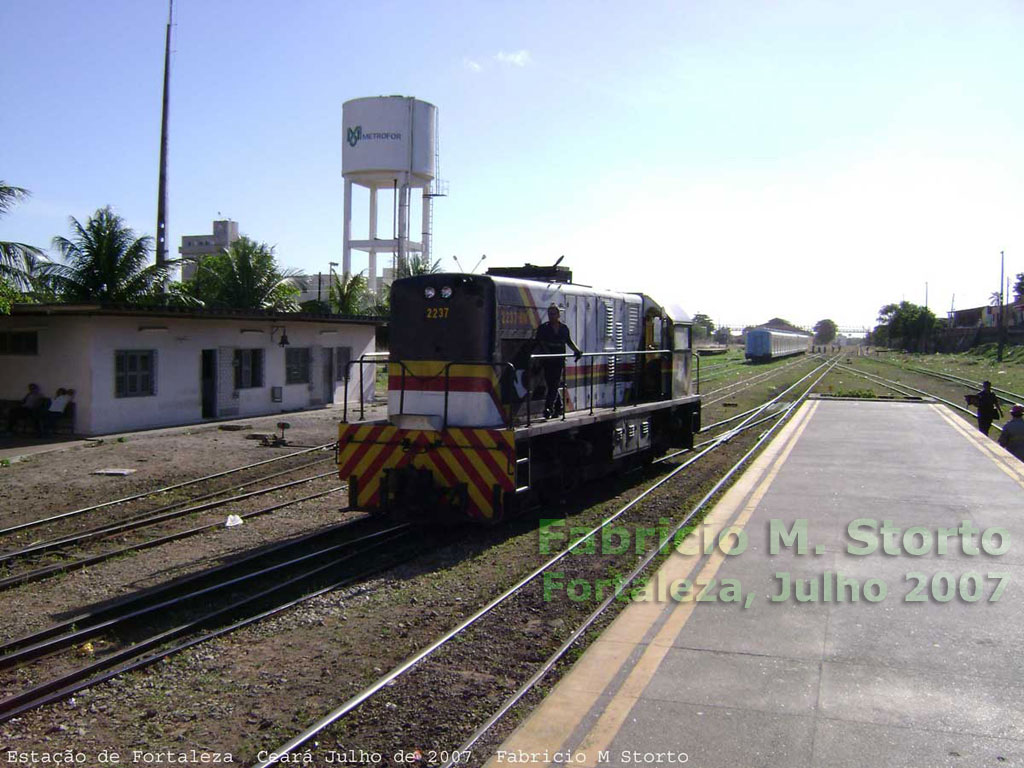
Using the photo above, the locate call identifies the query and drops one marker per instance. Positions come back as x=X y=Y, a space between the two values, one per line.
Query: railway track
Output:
x=906 y=389
x=756 y=413
x=59 y=517
x=709 y=399
x=1008 y=397
x=275 y=756
x=70 y=556
x=143 y=629
x=162 y=514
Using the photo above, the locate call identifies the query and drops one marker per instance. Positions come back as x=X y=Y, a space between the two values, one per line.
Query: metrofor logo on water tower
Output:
x=389 y=143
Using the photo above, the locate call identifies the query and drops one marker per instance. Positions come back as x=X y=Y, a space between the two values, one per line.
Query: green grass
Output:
x=977 y=364
x=380 y=384
x=860 y=393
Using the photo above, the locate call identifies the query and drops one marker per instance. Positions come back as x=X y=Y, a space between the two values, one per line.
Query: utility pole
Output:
x=161 y=202
x=1002 y=324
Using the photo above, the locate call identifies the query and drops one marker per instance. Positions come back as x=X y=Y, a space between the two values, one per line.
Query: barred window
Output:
x=135 y=373
x=248 y=368
x=19 y=343
x=296 y=365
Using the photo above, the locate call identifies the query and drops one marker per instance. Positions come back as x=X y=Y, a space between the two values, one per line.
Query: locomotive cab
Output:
x=443 y=317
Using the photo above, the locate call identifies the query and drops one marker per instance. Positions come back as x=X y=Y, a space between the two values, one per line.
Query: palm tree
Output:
x=379 y=304
x=417 y=264
x=17 y=260
x=245 y=276
x=348 y=294
x=104 y=261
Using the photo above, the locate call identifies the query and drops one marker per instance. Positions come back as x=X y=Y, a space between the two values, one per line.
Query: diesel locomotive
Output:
x=464 y=436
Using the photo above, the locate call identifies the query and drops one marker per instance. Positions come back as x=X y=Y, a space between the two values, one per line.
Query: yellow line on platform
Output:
x=615 y=714
x=543 y=734
x=1002 y=458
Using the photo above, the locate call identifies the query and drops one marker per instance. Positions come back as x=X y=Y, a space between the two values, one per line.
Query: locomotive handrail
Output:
x=445 y=372
x=447 y=381
x=541 y=355
x=362 y=360
x=590 y=371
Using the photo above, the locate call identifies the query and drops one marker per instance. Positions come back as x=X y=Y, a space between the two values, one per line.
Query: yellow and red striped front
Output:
x=482 y=461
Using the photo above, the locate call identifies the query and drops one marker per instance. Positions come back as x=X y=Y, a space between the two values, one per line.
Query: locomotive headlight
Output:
x=446 y=292
x=428 y=292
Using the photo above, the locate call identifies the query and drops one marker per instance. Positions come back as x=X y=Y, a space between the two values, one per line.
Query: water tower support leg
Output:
x=403 y=225
x=371 y=279
x=428 y=222
x=346 y=254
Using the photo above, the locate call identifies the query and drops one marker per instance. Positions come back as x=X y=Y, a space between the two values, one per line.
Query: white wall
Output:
x=79 y=352
x=63 y=360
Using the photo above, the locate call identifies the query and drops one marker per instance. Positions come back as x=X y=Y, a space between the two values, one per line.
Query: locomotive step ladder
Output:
x=523 y=469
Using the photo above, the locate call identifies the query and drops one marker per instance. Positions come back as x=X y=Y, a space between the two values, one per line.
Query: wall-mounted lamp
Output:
x=284 y=335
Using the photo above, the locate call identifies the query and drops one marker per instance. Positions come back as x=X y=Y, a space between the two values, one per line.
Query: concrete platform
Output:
x=822 y=680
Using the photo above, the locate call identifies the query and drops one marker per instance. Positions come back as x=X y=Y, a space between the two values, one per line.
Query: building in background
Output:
x=197 y=246
x=987 y=317
x=141 y=368
x=313 y=287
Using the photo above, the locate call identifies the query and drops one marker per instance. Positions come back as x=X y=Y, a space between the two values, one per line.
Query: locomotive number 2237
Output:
x=437 y=313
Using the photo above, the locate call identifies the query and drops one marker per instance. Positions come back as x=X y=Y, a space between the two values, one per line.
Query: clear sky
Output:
x=747 y=159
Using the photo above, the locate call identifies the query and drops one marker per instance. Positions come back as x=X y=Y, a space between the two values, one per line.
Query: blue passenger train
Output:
x=769 y=343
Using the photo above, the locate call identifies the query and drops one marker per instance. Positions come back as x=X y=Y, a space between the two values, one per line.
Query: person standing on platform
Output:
x=551 y=339
x=1012 y=437
x=988 y=407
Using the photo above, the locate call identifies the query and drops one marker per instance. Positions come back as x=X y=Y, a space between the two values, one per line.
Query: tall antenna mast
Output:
x=161 y=202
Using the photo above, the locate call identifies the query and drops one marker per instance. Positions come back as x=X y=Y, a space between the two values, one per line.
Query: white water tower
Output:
x=388 y=143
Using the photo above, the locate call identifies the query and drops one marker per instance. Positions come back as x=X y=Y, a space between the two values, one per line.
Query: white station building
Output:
x=139 y=368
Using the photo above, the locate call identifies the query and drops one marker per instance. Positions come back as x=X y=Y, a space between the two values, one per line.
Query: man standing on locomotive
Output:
x=551 y=339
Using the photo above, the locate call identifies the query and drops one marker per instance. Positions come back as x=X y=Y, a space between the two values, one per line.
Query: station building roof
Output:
x=189 y=313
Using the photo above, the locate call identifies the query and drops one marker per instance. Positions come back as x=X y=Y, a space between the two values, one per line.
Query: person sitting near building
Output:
x=57 y=407
x=1012 y=437
x=30 y=408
